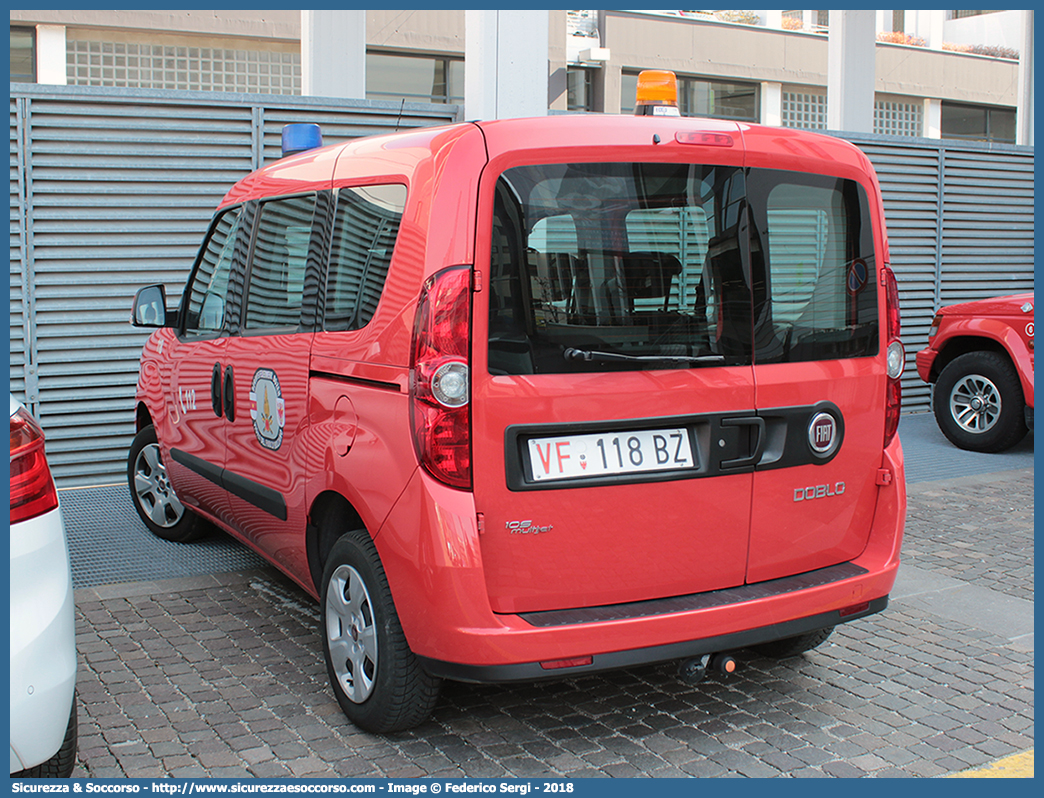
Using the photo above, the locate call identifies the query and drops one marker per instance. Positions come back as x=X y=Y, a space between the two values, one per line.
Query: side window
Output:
x=278 y=264
x=207 y=295
x=818 y=243
x=366 y=224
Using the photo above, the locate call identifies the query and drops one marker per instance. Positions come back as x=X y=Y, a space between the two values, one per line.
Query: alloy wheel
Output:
x=153 y=490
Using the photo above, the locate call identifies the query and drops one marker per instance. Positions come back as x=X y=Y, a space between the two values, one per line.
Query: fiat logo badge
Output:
x=822 y=434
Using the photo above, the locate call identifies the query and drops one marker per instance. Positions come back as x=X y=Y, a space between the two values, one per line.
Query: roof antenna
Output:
x=403 y=105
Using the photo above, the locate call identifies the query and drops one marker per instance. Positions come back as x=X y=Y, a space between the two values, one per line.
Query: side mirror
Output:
x=150 y=307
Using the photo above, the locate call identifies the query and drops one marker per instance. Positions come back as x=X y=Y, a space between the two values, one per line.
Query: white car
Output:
x=43 y=626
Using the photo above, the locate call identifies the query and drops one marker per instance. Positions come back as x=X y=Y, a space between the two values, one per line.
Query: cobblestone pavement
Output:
x=222 y=676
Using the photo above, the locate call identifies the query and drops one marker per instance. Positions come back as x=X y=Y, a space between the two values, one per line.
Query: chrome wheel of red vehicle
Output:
x=377 y=679
x=154 y=497
x=978 y=402
x=975 y=404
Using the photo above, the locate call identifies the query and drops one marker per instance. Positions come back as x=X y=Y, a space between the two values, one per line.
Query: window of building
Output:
x=23 y=55
x=707 y=98
x=165 y=66
x=415 y=78
x=804 y=109
x=963 y=14
x=366 y=226
x=896 y=116
x=579 y=92
x=978 y=122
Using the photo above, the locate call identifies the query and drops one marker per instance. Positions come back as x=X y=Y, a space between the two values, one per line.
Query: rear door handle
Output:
x=229 y=398
x=759 y=441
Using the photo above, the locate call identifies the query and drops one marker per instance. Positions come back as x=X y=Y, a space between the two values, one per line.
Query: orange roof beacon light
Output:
x=657 y=93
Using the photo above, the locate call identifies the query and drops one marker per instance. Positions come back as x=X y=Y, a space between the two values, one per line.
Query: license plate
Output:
x=604 y=454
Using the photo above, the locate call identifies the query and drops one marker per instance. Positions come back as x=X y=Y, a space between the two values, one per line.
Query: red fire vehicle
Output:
x=537 y=398
x=979 y=360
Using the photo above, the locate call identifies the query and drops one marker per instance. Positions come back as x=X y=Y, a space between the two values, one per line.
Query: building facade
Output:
x=937 y=74
x=128 y=127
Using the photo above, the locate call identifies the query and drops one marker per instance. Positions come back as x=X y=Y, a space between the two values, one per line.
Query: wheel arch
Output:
x=330 y=516
x=962 y=345
x=142 y=417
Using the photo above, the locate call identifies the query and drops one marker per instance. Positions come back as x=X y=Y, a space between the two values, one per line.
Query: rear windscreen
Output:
x=611 y=266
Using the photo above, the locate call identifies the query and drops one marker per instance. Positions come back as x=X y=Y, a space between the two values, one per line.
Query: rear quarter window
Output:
x=366 y=226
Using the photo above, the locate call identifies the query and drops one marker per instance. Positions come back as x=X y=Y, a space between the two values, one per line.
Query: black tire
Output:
x=153 y=496
x=377 y=679
x=792 y=646
x=978 y=402
x=59 y=766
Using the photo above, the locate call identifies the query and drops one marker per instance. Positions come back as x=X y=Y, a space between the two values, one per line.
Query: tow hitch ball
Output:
x=693 y=670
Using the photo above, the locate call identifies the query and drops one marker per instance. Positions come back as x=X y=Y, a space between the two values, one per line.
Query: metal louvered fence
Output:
x=113 y=189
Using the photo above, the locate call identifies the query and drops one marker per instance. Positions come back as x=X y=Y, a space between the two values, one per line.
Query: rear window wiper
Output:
x=590 y=356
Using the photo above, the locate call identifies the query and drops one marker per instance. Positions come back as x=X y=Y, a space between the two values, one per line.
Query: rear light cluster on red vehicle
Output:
x=440 y=384
x=32 y=489
x=896 y=354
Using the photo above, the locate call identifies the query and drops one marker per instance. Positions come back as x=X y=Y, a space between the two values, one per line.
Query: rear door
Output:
x=819 y=382
x=612 y=393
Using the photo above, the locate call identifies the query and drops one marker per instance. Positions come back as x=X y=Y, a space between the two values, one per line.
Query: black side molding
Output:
x=261 y=496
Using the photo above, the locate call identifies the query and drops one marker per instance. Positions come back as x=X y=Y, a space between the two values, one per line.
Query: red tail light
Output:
x=32 y=489
x=896 y=356
x=892 y=304
x=440 y=411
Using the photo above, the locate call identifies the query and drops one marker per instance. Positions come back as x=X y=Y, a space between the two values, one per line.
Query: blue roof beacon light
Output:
x=301 y=137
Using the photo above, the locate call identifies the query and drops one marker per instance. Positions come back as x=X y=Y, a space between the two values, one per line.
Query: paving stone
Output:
x=227 y=680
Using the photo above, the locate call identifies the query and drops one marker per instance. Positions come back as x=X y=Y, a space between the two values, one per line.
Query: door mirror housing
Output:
x=150 y=307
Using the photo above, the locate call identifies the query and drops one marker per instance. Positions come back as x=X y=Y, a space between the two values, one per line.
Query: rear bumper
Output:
x=434 y=569
x=534 y=671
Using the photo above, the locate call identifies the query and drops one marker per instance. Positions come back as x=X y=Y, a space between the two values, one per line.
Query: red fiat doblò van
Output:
x=537 y=398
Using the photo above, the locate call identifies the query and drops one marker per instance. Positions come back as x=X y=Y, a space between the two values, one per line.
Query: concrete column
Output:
x=50 y=55
x=932 y=119
x=774 y=19
x=505 y=63
x=1024 y=114
x=936 y=25
x=612 y=80
x=772 y=104
x=333 y=54
x=557 y=61
x=850 y=71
